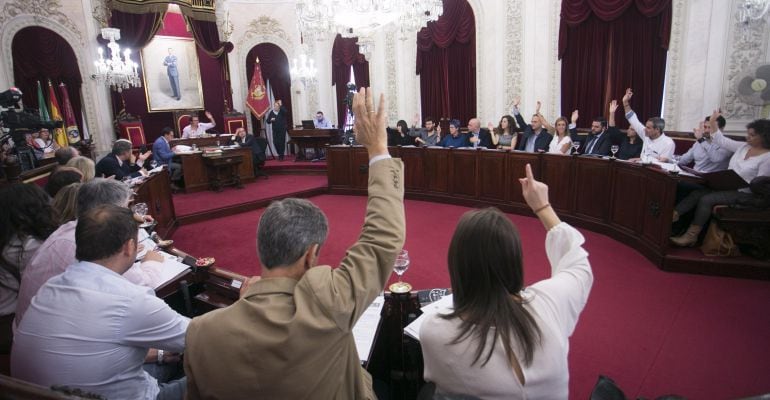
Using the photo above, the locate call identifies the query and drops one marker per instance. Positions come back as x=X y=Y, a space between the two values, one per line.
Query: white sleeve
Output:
x=186 y=132
x=637 y=125
x=146 y=273
x=150 y=322
x=565 y=294
x=668 y=149
x=208 y=125
x=721 y=140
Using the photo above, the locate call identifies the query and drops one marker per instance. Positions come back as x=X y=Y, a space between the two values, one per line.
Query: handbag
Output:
x=719 y=243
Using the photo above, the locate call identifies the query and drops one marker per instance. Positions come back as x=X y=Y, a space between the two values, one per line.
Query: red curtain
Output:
x=40 y=54
x=344 y=54
x=275 y=68
x=446 y=63
x=607 y=46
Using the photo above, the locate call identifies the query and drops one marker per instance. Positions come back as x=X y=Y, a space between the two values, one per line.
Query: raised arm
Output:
x=495 y=137
x=369 y=262
x=631 y=115
x=613 y=109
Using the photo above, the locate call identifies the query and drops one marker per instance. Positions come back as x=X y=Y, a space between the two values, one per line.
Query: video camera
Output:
x=15 y=122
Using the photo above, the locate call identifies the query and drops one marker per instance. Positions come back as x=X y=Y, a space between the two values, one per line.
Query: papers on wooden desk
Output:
x=721 y=180
x=443 y=306
x=365 y=329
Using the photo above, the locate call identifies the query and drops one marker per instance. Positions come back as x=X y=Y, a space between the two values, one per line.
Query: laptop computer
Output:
x=308 y=124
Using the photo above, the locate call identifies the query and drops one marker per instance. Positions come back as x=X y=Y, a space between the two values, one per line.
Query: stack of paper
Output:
x=366 y=328
x=443 y=306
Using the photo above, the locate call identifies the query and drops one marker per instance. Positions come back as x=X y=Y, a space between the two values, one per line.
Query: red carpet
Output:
x=653 y=332
x=289 y=163
x=276 y=185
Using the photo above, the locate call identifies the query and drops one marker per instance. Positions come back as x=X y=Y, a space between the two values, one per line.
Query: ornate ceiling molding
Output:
x=746 y=50
x=50 y=10
x=675 y=57
x=265 y=27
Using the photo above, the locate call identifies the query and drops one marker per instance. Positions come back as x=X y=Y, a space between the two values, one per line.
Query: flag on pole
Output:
x=41 y=107
x=86 y=135
x=269 y=127
x=58 y=133
x=71 y=125
x=256 y=99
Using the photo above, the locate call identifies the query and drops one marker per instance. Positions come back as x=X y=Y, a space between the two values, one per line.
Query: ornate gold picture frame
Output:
x=171 y=74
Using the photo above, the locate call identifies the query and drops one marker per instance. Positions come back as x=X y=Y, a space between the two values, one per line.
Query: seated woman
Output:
x=750 y=160
x=84 y=165
x=504 y=341
x=630 y=146
x=401 y=135
x=504 y=137
x=455 y=138
x=562 y=141
x=45 y=143
x=26 y=220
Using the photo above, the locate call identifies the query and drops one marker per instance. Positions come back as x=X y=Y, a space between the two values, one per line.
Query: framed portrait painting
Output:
x=172 y=78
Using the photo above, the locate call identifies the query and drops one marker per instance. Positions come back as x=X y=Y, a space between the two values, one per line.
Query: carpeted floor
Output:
x=275 y=185
x=654 y=332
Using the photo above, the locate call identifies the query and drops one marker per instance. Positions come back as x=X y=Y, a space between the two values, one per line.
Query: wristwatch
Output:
x=160 y=357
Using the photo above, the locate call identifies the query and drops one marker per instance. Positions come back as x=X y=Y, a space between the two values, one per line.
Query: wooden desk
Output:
x=196 y=175
x=201 y=141
x=631 y=203
x=156 y=192
x=223 y=170
x=312 y=138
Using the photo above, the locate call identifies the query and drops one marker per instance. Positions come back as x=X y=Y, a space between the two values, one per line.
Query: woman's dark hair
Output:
x=511 y=125
x=404 y=127
x=25 y=210
x=486 y=271
x=761 y=127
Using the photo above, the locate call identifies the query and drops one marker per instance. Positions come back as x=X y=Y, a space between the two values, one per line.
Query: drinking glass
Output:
x=675 y=159
x=140 y=209
x=576 y=146
x=400 y=266
x=614 y=149
x=350 y=140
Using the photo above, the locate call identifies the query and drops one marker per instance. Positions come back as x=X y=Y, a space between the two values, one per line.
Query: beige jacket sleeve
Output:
x=344 y=293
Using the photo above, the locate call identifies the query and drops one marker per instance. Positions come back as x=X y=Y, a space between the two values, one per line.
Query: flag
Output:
x=58 y=133
x=86 y=135
x=41 y=108
x=256 y=99
x=71 y=125
x=269 y=127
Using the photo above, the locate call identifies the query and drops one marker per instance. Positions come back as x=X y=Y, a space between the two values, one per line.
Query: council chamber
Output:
x=352 y=199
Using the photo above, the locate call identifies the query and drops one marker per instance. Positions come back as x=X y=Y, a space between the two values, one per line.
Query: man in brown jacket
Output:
x=289 y=336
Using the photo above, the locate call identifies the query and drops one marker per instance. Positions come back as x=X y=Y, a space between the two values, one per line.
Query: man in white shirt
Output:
x=89 y=328
x=657 y=146
x=320 y=122
x=197 y=128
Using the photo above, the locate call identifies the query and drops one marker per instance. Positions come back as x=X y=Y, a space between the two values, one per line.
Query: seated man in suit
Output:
x=536 y=138
x=479 y=137
x=164 y=155
x=290 y=334
x=599 y=140
x=121 y=162
x=244 y=139
x=89 y=328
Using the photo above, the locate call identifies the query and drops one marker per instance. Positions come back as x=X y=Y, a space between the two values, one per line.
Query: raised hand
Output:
x=370 y=125
x=575 y=116
x=537 y=107
x=491 y=127
x=713 y=121
x=613 y=106
x=209 y=116
x=535 y=192
x=516 y=101
x=416 y=120
x=698 y=131
x=627 y=96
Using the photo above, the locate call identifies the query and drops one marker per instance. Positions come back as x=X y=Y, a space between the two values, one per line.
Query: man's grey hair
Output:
x=121 y=146
x=658 y=123
x=287 y=229
x=101 y=191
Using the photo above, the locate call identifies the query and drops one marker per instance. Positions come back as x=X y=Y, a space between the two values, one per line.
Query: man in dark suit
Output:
x=121 y=162
x=164 y=155
x=277 y=118
x=536 y=138
x=599 y=139
x=479 y=136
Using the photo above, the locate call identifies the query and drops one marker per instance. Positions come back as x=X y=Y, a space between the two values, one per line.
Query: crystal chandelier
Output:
x=116 y=72
x=304 y=71
x=352 y=18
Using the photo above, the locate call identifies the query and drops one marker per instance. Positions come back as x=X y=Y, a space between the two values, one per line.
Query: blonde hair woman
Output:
x=84 y=165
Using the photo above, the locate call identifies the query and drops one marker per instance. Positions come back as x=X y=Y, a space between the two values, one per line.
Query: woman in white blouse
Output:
x=750 y=160
x=504 y=341
x=562 y=141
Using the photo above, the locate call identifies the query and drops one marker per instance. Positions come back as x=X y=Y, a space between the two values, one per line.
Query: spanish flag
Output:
x=58 y=133
x=256 y=99
x=71 y=125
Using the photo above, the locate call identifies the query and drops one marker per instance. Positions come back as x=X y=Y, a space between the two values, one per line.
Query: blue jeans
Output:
x=171 y=388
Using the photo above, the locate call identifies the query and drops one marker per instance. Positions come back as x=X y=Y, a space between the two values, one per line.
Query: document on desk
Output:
x=366 y=328
x=443 y=306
